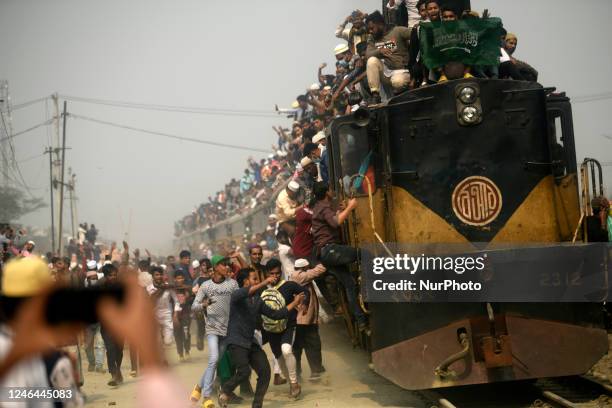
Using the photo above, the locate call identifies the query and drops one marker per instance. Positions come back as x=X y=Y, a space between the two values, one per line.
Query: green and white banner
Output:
x=472 y=41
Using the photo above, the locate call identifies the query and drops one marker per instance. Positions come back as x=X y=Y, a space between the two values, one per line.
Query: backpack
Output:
x=274 y=300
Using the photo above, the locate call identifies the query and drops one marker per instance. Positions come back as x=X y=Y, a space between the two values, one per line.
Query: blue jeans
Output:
x=216 y=348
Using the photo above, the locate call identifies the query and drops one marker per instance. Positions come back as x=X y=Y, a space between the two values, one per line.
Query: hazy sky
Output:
x=238 y=55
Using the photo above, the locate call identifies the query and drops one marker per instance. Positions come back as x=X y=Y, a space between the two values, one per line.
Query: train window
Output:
x=557 y=145
x=355 y=159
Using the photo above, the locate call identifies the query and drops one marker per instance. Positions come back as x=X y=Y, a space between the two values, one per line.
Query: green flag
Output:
x=473 y=41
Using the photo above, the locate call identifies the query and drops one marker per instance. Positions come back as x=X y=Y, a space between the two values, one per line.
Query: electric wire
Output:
x=14 y=135
x=28 y=103
x=167 y=135
x=175 y=108
x=592 y=98
x=14 y=161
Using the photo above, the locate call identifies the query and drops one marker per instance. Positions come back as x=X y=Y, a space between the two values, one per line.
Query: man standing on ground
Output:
x=255 y=257
x=281 y=338
x=244 y=349
x=184 y=267
x=307 y=332
x=214 y=295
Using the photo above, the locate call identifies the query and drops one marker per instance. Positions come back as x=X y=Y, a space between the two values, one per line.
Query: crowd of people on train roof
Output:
x=374 y=61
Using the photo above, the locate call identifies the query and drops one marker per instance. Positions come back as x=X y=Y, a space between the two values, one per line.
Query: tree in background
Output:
x=14 y=204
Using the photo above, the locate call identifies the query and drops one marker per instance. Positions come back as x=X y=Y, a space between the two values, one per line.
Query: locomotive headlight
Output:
x=468 y=95
x=470 y=115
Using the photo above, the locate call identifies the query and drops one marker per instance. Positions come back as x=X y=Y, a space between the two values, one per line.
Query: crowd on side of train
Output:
x=375 y=61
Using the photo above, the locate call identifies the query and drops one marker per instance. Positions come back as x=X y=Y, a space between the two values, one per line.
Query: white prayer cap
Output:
x=341 y=49
x=301 y=263
x=305 y=162
x=318 y=137
x=294 y=186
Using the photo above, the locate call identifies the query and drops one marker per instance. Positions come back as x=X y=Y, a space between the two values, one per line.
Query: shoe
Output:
x=200 y=344
x=208 y=403
x=234 y=399
x=181 y=359
x=278 y=380
x=295 y=390
x=100 y=369
x=246 y=391
x=187 y=355
x=374 y=99
x=119 y=378
x=196 y=394
x=133 y=374
x=113 y=381
x=91 y=368
x=223 y=399
x=315 y=377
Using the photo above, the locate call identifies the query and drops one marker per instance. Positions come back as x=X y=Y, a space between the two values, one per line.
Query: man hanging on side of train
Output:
x=335 y=256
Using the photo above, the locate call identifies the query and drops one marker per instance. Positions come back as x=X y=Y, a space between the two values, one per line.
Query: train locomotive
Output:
x=509 y=145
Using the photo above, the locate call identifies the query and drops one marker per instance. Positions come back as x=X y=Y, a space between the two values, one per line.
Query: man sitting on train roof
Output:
x=387 y=56
x=510 y=67
x=356 y=34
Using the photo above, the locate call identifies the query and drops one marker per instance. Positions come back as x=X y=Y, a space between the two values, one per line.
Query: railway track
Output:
x=565 y=392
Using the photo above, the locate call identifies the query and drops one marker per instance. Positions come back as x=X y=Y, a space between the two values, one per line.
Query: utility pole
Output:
x=61 y=183
x=56 y=149
x=4 y=151
x=73 y=216
x=49 y=151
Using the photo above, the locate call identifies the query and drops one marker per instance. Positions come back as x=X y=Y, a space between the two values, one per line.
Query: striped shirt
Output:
x=217 y=314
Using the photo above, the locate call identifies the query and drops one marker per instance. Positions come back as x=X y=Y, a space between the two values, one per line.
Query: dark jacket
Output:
x=245 y=311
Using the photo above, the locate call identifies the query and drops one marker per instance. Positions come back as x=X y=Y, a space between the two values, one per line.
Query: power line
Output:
x=27 y=159
x=14 y=135
x=592 y=98
x=174 y=108
x=15 y=164
x=168 y=135
x=28 y=103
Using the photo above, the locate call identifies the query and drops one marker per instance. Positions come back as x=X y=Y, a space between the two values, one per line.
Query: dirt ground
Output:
x=348 y=383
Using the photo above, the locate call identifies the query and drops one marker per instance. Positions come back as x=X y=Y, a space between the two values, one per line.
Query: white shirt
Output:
x=27 y=374
x=286 y=261
x=505 y=57
x=413 y=12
